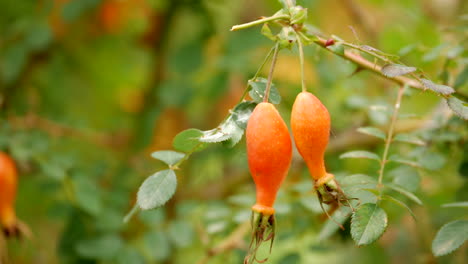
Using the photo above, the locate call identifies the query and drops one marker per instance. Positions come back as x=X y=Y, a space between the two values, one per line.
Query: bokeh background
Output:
x=89 y=88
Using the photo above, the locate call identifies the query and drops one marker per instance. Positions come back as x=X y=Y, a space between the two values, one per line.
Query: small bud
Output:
x=329 y=42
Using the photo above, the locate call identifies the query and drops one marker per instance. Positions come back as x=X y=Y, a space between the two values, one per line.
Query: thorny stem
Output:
x=368 y=65
x=259 y=21
x=301 y=58
x=366 y=51
x=388 y=140
x=270 y=74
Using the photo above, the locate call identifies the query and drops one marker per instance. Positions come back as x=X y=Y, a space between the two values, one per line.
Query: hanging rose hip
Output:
x=269 y=153
x=310 y=125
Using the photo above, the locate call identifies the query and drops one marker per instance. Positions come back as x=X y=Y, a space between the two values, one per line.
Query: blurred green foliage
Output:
x=89 y=88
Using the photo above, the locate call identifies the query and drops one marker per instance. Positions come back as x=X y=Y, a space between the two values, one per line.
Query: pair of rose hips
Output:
x=269 y=147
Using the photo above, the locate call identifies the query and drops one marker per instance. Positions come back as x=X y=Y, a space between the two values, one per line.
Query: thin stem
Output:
x=301 y=58
x=258 y=22
x=290 y=3
x=246 y=90
x=270 y=74
x=388 y=140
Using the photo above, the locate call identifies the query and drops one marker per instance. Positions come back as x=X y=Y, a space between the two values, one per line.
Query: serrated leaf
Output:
x=257 y=91
x=236 y=136
x=157 y=189
x=214 y=136
x=227 y=130
x=409 y=139
x=438 y=88
x=168 y=156
x=457 y=204
x=372 y=131
x=360 y=154
x=404 y=192
x=241 y=113
x=368 y=223
x=450 y=237
x=393 y=70
x=459 y=107
x=188 y=141
x=400 y=203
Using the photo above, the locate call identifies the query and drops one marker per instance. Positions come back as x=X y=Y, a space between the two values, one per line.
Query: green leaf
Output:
x=450 y=237
x=181 y=233
x=337 y=48
x=330 y=227
x=157 y=189
x=360 y=154
x=457 y=204
x=103 y=248
x=266 y=31
x=168 y=156
x=298 y=14
x=432 y=161
x=409 y=139
x=406 y=177
x=87 y=194
x=438 y=88
x=241 y=113
x=188 y=141
x=372 y=131
x=236 y=136
x=357 y=186
x=129 y=255
x=459 y=107
x=400 y=203
x=227 y=130
x=368 y=223
x=404 y=192
x=393 y=70
x=286 y=37
x=461 y=78
x=257 y=91
x=156 y=245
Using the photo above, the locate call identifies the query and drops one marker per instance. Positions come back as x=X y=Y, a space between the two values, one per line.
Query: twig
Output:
x=259 y=21
x=371 y=66
x=389 y=138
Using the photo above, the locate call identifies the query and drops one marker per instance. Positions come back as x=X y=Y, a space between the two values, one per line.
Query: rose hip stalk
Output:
x=310 y=124
x=269 y=153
